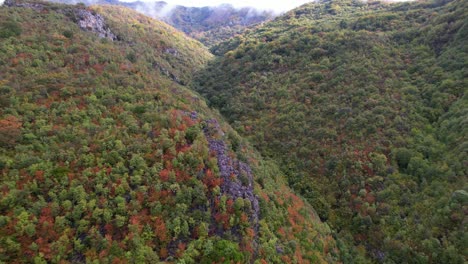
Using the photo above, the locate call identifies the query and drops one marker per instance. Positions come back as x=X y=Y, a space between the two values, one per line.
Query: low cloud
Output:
x=152 y=9
x=164 y=10
x=276 y=6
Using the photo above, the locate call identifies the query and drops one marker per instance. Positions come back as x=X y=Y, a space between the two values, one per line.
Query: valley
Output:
x=333 y=133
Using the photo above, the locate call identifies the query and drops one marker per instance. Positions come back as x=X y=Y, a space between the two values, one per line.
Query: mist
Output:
x=268 y=5
x=164 y=11
x=276 y=6
x=152 y=10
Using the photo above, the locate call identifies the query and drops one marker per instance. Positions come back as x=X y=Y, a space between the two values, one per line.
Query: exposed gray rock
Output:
x=172 y=51
x=194 y=115
x=166 y=72
x=237 y=176
x=279 y=249
x=90 y=21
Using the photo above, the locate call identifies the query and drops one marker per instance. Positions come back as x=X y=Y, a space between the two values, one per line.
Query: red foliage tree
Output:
x=10 y=131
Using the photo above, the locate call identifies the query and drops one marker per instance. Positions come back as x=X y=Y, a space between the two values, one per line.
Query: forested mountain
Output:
x=106 y=157
x=364 y=106
x=210 y=24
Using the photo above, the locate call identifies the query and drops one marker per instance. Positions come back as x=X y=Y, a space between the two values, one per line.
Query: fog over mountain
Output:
x=277 y=6
x=206 y=21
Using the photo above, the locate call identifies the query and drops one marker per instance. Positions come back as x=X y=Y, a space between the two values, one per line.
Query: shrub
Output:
x=10 y=29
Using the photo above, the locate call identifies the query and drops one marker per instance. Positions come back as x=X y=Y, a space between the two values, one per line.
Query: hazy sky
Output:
x=276 y=5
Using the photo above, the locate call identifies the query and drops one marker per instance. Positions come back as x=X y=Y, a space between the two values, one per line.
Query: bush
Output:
x=10 y=29
x=68 y=34
x=224 y=251
x=403 y=157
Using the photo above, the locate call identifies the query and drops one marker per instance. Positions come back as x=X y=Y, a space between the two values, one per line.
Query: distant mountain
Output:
x=364 y=106
x=210 y=25
x=106 y=157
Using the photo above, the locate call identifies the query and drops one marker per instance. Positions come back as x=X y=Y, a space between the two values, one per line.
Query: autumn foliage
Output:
x=10 y=131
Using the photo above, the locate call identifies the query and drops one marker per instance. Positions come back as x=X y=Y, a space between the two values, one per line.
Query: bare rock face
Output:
x=93 y=22
x=237 y=176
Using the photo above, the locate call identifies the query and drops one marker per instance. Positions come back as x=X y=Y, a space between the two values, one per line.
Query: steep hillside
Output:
x=106 y=158
x=364 y=107
x=210 y=24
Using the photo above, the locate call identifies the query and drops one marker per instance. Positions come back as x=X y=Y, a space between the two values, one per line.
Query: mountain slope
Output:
x=210 y=24
x=106 y=157
x=362 y=105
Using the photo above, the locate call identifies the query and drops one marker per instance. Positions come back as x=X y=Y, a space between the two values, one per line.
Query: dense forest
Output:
x=363 y=106
x=344 y=140
x=106 y=157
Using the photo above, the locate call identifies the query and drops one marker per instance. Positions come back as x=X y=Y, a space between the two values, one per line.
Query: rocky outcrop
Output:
x=237 y=176
x=90 y=21
x=86 y=19
x=172 y=51
x=167 y=73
